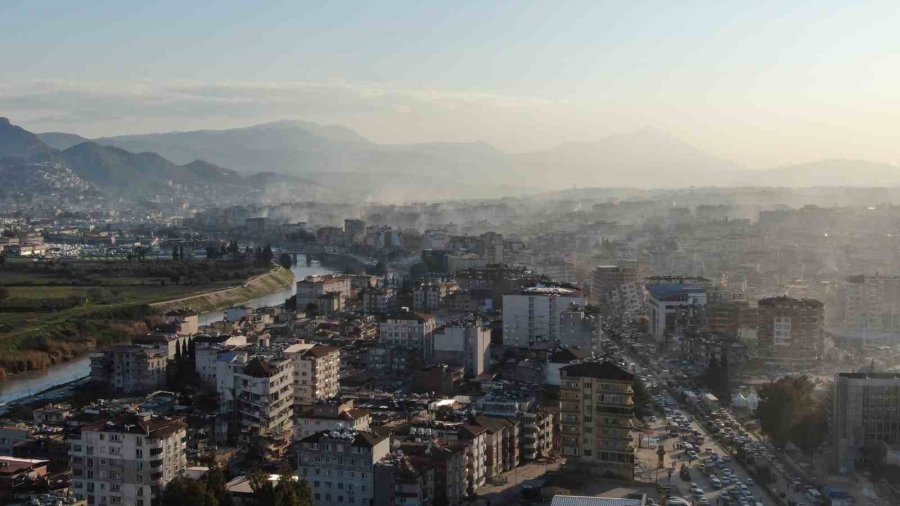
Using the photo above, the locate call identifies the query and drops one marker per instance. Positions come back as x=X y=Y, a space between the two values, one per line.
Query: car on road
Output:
x=677 y=501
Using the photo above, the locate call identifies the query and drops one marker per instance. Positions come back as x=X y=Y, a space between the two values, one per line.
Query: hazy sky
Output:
x=762 y=83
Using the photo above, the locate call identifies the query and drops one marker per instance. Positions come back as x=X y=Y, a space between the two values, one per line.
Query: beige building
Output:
x=596 y=411
x=607 y=278
x=315 y=371
x=311 y=289
x=127 y=460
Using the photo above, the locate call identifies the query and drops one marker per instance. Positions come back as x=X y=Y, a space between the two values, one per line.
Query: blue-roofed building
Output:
x=666 y=302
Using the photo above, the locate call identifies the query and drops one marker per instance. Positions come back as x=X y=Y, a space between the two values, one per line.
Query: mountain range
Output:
x=115 y=171
x=297 y=154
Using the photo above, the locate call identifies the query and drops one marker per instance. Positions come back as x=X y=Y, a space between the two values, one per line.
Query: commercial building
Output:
x=126 y=460
x=866 y=416
x=340 y=465
x=315 y=371
x=463 y=344
x=791 y=329
x=129 y=369
x=596 y=411
x=672 y=307
x=531 y=317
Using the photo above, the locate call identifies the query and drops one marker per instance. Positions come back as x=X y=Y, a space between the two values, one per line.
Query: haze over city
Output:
x=761 y=84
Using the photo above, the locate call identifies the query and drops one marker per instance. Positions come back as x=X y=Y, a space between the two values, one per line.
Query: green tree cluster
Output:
x=789 y=411
x=206 y=491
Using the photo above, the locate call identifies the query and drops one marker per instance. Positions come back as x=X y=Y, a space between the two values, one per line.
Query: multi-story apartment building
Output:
x=313 y=288
x=208 y=349
x=399 y=483
x=449 y=465
x=407 y=330
x=865 y=416
x=315 y=371
x=531 y=317
x=378 y=300
x=129 y=369
x=429 y=296
x=463 y=344
x=579 y=327
x=257 y=395
x=596 y=411
x=354 y=230
x=673 y=306
x=491 y=247
x=340 y=465
x=606 y=278
x=791 y=329
x=872 y=305
x=127 y=460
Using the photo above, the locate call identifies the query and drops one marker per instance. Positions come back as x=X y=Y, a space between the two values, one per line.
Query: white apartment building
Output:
x=208 y=350
x=127 y=460
x=259 y=393
x=464 y=344
x=407 y=330
x=315 y=371
x=669 y=305
x=339 y=465
x=531 y=318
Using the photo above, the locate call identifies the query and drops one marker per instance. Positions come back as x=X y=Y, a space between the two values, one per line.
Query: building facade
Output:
x=596 y=412
x=531 y=317
x=315 y=371
x=127 y=460
x=340 y=466
x=791 y=329
x=866 y=416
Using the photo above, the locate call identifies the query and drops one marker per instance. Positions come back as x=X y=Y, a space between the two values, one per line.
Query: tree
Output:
x=285 y=260
x=175 y=253
x=187 y=492
x=788 y=411
x=286 y=491
x=178 y=351
x=181 y=253
x=642 y=405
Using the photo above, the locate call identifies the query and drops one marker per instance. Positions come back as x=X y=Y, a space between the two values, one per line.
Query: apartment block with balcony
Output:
x=315 y=373
x=256 y=395
x=596 y=412
x=126 y=460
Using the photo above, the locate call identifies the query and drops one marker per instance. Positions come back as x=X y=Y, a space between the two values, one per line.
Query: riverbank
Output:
x=258 y=286
x=67 y=335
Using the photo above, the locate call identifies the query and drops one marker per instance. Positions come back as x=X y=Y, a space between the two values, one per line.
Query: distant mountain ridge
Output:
x=27 y=162
x=341 y=158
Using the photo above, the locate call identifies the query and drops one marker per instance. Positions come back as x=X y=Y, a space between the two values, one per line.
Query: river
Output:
x=30 y=383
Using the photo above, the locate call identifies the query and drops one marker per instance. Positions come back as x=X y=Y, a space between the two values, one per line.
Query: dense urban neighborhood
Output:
x=635 y=347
